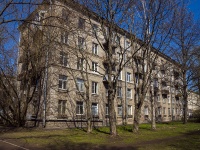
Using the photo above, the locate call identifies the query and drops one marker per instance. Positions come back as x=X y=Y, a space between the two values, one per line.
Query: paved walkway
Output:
x=5 y=145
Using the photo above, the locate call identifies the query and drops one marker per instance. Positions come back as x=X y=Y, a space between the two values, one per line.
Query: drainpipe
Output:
x=126 y=102
x=46 y=76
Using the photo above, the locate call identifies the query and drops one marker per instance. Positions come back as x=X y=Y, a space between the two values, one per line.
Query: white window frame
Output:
x=146 y=111
x=107 y=110
x=130 y=110
x=80 y=63
x=128 y=76
x=63 y=58
x=95 y=48
x=129 y=93
x=169 y=111
x=164 y=110
x=95 y=67
x=80 y=84
x=128 y=45
x=64 y=37
x=119 y=91
x=62 y=82
x=94 y=29
x=79 y=105
x=95 y=110
x=119 y=110
x=81 y=42
x=62 y=107
x=94 y=87
x=159 y=111
x=120 y=76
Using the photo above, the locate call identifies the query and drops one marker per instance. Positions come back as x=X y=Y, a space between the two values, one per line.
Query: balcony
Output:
x=162 y=68
x=156 y=86
x=139 y=69
x=105 y=78
x=165 y=90
x=177 y=93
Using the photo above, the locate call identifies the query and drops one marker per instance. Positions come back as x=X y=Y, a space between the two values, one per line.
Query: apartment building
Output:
x=69 y=52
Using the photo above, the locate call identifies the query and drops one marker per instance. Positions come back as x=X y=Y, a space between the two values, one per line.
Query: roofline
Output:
x=84 y=10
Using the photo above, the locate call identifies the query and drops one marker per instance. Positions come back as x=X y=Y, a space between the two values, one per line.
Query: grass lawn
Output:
x=173 y=135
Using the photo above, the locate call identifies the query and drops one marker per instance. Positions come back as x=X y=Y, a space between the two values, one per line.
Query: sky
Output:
x=194 y=6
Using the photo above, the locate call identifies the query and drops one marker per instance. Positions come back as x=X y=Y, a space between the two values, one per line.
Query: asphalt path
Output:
x=5 y=145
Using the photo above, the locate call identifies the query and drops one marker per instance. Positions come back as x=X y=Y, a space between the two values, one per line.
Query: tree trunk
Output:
x=153 y=117
x=136 y=120
x=185 y=106
x=88 y=109
x=112 y=114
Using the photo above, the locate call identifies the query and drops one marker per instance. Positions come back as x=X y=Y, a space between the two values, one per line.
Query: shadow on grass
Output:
x=87 y=146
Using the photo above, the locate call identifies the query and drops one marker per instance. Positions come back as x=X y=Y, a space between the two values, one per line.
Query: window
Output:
x=129 y=93
x=129 y=110
x=65 y=15
x=94 y=67
x=117 y=40
x=173 y=111
x=80 y=85
x=159 y=110
x=81 y=42
x=164 y=111
x=119 y=110
x=119 y=91
x=94 y=29
x=169 y=111
x=61 y=107
x=94 y=87
x=107 y=109
x=120 y=76
x=146 y=111
x=95 y=48
x=157 y=98
x=62 y=82
x=81 y=23
x=168 y=97
x=80 y=63
x=94 y=109
x=63 y=58
x=128 y=45
x=64 y=37
x=79 y=108
x=128 y=77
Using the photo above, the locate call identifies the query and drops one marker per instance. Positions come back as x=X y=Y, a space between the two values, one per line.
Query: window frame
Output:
x=80 y=85
x=119 y=110
x=127 y=93
x=95 y=67
x=96 y=109
x=130 y=110
x=62 y=107
x=62 y=85
x=119 y=91
x=63 y=59
x=81 y=23
x=94 y=87
x=79 y=108
x=128 y=77
x=94 y=48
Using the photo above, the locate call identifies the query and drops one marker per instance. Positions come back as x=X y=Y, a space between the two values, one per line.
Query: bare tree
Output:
x=185 y=39
x=154 y=20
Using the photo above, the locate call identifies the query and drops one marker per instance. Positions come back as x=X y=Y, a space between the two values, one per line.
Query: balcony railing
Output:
x=165 y=89
x=105 y=78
